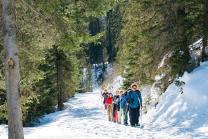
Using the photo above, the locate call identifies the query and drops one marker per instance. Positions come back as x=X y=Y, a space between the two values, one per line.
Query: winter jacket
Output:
x=116 y=102
x=134 y=99
x=105 y=94
x=109 y=99
x=116 y=99
x=123 y=101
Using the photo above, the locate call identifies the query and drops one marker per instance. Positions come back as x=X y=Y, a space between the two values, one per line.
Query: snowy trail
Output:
x=177 y=116
x=85 y=118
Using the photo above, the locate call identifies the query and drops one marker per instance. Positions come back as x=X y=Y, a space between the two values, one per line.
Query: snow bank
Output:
x=187 y=111
x=3 y=129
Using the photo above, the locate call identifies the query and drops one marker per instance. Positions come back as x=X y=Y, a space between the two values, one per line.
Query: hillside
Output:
x=185 y=111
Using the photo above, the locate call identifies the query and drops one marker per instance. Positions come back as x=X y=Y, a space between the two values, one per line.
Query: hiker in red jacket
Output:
x=109 y=104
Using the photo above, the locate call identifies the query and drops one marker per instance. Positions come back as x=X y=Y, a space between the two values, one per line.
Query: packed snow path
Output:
x=85 y=118
x=178 y=115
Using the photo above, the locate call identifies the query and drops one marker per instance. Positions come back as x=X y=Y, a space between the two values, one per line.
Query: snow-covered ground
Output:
x=85 y=119
x=177 y=116
x=187 y=112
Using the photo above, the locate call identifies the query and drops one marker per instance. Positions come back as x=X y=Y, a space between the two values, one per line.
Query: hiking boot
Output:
x=137 y=125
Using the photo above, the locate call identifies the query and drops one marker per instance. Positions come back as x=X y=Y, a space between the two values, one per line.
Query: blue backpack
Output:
x=123 y=101
x=135 y=99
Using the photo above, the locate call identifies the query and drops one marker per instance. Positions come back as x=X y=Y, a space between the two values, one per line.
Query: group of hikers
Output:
x=122 y=103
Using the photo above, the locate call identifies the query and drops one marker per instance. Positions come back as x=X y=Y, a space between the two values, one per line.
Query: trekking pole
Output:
x=141 y=114
x=141 y=117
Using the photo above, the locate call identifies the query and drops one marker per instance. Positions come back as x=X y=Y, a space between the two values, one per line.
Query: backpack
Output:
x=123 y=101
x=133 y=99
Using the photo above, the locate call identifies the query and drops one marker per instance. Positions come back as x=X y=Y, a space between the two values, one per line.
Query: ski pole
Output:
x=141 y=115
x=141 y=125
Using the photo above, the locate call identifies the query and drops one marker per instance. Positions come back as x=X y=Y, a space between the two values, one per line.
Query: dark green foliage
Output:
x=41 y=25
x=152 y=29
x=2 y=96
x=47 y=90
x=95 y=53
x=3 y=112
x=105 y=48
x=179 y=62
x=3 y=106
x=113 y=29
x=57 y=39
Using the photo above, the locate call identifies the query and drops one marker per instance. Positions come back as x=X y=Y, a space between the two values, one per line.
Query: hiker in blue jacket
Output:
x=124 y=107
x=135 y=103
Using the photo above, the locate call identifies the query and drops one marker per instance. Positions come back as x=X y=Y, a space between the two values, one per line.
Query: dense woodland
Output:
x=58 y=38
x=52 y=37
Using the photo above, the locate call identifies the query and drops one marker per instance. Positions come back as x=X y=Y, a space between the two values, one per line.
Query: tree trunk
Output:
x=59 y=80
x=205 y=29
x=203 y=57
x=12 y=72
